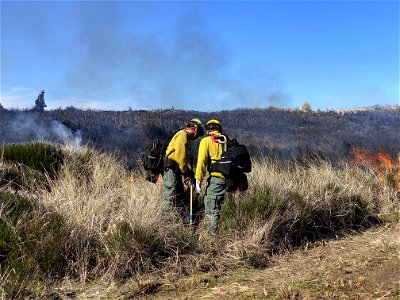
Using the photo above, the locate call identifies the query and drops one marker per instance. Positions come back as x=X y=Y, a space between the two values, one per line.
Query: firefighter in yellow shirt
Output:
x=210 y=151
x=177 y=162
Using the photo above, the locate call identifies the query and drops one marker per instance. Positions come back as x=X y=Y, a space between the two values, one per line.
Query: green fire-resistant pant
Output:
x=173 y=187
x=212 y=202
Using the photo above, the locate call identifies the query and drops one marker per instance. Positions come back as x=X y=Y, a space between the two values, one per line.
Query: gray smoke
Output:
x=25 y=128
x=65 y=135
x=186 y=68
x=115 y=54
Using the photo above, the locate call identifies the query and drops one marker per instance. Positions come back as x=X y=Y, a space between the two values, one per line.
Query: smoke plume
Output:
x=121 y=54
x=186 y=66
x=23 y=127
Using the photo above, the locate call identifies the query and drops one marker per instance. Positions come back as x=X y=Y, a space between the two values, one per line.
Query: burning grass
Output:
x=109 y=224
x=381 y=163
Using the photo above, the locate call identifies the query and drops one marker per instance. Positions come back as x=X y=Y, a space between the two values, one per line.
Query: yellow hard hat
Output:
x=213 y=125
x=213 y=121
x=196 y=121
x=199 y=125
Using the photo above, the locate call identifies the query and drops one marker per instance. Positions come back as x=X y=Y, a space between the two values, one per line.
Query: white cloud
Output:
x=19 y=97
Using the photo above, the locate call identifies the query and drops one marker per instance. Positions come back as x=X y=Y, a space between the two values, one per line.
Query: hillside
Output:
x=275 y=132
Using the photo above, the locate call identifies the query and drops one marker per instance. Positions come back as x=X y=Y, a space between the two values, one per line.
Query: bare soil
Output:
x=362 y=266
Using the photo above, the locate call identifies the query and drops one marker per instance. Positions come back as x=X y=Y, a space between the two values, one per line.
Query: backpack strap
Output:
x=220 y=139
x=213 y=167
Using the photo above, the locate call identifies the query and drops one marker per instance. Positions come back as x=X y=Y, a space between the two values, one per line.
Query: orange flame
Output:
x=385 y=159
x=381 y=163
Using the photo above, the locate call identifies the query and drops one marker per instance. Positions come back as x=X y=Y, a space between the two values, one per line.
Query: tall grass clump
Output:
x=28 y=166
x=45 y=158
x=90 y=221
x=121 y=227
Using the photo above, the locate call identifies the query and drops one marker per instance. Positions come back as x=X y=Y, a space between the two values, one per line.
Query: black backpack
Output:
x=153 y=158
x=234 y=161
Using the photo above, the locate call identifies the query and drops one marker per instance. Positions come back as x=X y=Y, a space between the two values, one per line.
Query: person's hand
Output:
x=188 y=177
x=188 y=181
x=198 y=186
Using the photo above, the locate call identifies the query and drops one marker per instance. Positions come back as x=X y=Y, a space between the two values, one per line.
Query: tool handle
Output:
x=191 y=205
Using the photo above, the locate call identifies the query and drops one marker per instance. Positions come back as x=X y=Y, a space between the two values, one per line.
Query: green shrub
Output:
x=32 y=242
x=44 y=158
x=238 y=213
x=295 y=219
x=303 y=221
x=133 y=249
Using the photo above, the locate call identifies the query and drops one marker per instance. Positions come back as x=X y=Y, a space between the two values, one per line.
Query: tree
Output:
x=306 y=107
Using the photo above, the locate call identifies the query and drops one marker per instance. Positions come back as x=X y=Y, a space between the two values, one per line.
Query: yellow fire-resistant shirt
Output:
x=209 y=152
x=179 y=147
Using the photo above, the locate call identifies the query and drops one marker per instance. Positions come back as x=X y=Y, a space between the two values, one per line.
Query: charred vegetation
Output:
x=278 y=133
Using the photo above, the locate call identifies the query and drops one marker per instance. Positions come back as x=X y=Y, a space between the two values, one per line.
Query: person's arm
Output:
x=180 y=154
x=202 y=160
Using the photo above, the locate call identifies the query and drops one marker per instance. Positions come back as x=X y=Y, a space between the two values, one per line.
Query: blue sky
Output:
x=200 y=55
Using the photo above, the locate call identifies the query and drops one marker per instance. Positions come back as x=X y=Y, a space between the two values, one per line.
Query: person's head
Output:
x=194 y=128
x=42 y=92
x=213 y=126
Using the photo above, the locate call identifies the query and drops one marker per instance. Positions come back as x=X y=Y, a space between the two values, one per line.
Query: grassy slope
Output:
x=93 y=195
x=361 y=266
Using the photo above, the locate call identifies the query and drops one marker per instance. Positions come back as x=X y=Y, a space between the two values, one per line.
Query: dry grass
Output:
x=120 y=228
x=322 y=184
x=319 y=181
x=119 y=219
x=294 y=204
x=94 y=193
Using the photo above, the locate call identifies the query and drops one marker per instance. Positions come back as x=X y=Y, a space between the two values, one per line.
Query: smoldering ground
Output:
x=25 y=127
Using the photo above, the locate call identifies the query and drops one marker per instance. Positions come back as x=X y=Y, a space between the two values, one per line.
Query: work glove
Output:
x=198 y=186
